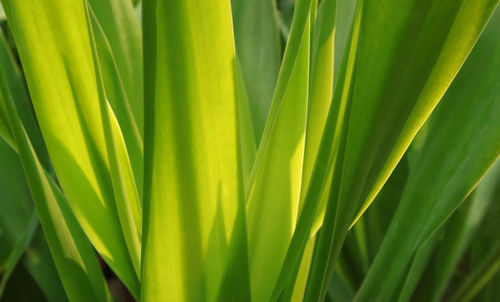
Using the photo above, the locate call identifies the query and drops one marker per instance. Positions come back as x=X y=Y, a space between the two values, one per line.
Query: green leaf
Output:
x=15 y=205
x=56 y=54
x=338 y=291
x=482 y=259
x=321 y=88
x=246 y=132
x=490 y=293
x=462 y=142
x=458 y=231
x=38 y=261
x=273 y=198
x=343 y=22
x=416 y=269
x=126 y=193
x=318 y=104
x=122 y=29
x=390 y=103
x=5 y=249
x=299 y=286
x=486 y=269
x=72 y=253
x=322 y=177
x=378 y=216
x=118 y=39
x=259 y=53
x=194 y=245
x=15 y=208
x=25 y=107
x=338 y=119
x=444 y=57
x=4 y=131
x=18 y=249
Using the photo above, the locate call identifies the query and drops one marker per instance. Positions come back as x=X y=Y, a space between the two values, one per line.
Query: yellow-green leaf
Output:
x=194 y=245
x=274 y=193
x=397 y=83
x=56 y=54
x=72 y=253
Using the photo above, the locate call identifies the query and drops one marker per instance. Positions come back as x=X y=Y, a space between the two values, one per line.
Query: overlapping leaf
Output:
x=118 y=39
x=462 y=142
x=274 y=194
x=321 y=86
x=323 y=176
x=397 y=83
x=318 y=105
x=56 y=54
x=72 y=253
x=458 y=232
x=259 y=53
x=18 y=249
x=15 y=207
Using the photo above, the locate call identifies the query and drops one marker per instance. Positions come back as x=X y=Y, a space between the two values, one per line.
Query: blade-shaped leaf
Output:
x=245 y=128
x=39 y=262
x=4 y=130
x=274 y=193
x=18 y=250
x=322 y=176
x=126 y=193
x=15 y=207
x=462 y=142
x=56 y=54
x=458 y=231
x=5 y=248
x=483 y=242
x=259 y=53
x=378 y=216
x=485 y=270
x=321 y=87
x=299 y=286
x=72 y=253
x=24 y=105
x=118 y=39
x=123 y=33
x=343 y=22
x=390 y=103
x=194 y=245
x=338 y=291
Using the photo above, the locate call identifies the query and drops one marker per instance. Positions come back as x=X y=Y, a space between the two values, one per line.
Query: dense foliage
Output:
x=249 y=150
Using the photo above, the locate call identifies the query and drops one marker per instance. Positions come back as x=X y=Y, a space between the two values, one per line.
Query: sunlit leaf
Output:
x=390 y=103
x=194 y=245
x=56 y=54
x=72 y=253
x=274 y=194
x=118 y=39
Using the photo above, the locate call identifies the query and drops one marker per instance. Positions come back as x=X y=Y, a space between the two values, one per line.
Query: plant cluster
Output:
x=250 y=150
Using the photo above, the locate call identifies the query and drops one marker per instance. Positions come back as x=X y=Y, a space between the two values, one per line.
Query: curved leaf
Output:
x=72 y=253
x=397 y=83
x=462 y=142
x=55 y=51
